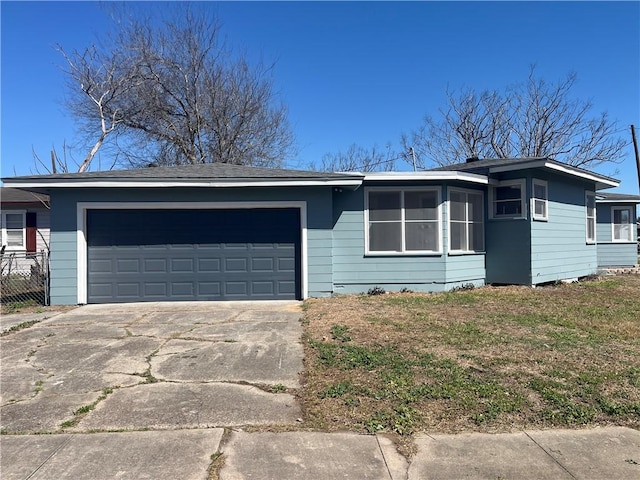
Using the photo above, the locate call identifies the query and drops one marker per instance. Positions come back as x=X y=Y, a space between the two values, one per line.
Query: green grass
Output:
x=487 y=359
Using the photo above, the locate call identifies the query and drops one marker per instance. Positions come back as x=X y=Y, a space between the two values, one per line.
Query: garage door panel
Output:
x=193 y=255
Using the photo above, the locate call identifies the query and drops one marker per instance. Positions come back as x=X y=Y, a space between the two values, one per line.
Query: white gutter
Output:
x=155 y=184
x=431 y=175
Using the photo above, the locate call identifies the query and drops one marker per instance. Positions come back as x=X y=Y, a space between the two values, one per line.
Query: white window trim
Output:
x=536 y=182
x=438 y=191
x=81 y=229
x=3 y=222
x=631 y=224
x=466 y=191
x=587 y=194
x=521 y=182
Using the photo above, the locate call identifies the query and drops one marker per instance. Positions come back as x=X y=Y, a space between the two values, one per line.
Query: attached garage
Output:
x=142 y=255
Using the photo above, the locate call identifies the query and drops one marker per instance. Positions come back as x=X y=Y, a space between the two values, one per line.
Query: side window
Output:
x=466 y=221
x=13 y=230
x=622 y=225
x=590 y=201
x=540 y=200
x=507 y=200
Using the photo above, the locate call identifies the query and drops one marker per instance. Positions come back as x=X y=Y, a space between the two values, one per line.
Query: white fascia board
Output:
x=602 y=200
x=154 y=184
x=437 y=176
x=601 y=181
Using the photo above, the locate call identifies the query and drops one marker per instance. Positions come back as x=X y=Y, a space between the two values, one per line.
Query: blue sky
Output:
x=361 y=72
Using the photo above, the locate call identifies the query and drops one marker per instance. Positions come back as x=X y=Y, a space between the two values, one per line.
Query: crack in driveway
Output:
x=200 y=360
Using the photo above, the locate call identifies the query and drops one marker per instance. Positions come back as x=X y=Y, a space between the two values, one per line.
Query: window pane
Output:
x=539 y=191
x=385 y=237
x=621 y=216
x=421 y=205
x=458 y=236
x=13 y=220
x=540 y=208
x=384 y=205
x=508 y=208
x=476 y=210
x=476 y=234
x=591 y=229
x=14 y=238
x=511 y=192
x=622 y=232
x=422 y=236
x=591 y=204
x=458 y=206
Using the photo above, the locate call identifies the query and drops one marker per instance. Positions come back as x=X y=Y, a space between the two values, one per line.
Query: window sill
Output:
x=459 y=253
x=507 y=218
x=540 y=219
x=403 y=254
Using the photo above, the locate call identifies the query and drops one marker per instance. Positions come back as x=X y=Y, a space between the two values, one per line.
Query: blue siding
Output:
x=613 y=254
x=354 y=272
x=63 y=260
x=529 y=252
x=63 y=226
x=559 y=248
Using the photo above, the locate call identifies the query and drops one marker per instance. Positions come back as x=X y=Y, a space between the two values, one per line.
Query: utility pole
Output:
x=635 y=148
x=413 y=157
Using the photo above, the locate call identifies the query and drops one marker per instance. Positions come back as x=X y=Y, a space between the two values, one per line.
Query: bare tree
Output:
x=531 y=119
x=172 y=93
x=358 y=159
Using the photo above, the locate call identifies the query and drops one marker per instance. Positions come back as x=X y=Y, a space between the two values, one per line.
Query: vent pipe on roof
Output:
x=472 y=159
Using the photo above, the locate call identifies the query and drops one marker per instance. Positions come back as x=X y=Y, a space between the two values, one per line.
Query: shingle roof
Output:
x=485 y=165
x=482 y=166
x=210 y=171
x=15 y=195
x=618 y=197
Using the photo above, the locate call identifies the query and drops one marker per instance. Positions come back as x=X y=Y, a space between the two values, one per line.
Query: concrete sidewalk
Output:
x=595 y=454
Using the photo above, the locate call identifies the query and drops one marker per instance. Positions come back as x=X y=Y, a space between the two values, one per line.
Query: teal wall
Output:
x=612 y=254
x=355 y=272
x=529 y=252
x=508 y=251
x=508 y=245
x=559 y=248
x=64 y=236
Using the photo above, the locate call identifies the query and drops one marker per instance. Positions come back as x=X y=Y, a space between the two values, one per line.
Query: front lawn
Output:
x=489 y=359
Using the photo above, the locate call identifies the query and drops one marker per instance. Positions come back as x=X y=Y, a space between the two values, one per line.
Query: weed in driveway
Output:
x=83 y=410
x=20 y=326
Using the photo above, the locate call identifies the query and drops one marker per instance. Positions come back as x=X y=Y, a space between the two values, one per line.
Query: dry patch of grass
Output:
x=489 y=359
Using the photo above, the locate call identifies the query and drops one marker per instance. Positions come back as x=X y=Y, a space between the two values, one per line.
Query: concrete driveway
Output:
x=153 y=366
x=143 y=391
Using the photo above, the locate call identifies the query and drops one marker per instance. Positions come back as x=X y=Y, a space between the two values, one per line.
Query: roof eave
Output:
x=428 y=176
x=601 y=181
x=90 y=183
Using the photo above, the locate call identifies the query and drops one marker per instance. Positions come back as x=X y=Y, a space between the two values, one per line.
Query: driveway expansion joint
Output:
x=549 y=455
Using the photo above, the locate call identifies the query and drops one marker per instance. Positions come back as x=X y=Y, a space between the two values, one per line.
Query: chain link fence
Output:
x=25 y=278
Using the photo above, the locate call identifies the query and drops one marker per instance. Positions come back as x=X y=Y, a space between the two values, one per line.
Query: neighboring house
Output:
x=616 y=222
x=24 y=221
x=227 y=232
